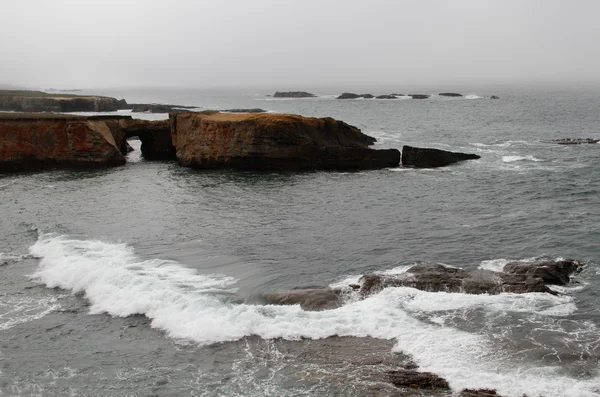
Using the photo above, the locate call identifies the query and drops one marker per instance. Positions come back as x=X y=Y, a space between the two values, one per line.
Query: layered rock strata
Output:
x=273 y=142
x=31 y=142
x=35 y=101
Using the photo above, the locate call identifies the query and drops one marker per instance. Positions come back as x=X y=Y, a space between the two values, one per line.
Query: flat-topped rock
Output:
x=37 y=101
x=293 y=94
x=575 y=141
x=273 y=142
x=33 y=142
x=450 y=94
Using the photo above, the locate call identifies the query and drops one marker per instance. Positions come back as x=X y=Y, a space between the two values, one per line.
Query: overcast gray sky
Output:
x=159 y=43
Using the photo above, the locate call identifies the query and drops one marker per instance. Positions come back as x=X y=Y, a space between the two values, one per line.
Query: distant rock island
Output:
x=293 y=94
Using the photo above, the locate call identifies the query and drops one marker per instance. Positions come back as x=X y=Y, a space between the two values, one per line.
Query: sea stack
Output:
x=273 y=142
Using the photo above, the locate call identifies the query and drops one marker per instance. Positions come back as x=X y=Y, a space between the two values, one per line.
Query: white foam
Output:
x=183 y=303
x=473 y=96
x=512 y=159
x=15 y=310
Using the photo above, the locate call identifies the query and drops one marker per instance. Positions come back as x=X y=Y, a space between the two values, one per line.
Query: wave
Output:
x=473 y=96
x=512 y=159
x=194 y=307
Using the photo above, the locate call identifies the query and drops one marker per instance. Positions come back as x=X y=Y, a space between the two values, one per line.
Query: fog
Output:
x=212 y=43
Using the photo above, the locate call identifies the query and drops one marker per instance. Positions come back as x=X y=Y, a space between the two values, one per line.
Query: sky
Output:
x=212 y=43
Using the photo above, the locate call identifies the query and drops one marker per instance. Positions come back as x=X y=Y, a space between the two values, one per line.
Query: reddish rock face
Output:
x=272 y=142
x=29 y=142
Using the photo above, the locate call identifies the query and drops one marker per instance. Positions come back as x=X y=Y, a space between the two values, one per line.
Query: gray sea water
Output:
x=143 y=280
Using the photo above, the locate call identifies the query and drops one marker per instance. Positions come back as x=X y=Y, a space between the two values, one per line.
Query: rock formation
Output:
x=431 y=158
x=41 y=141
x=37 y=101
x=575 y=141
x=390 y=96
x=293 y=94
x=158 y=108
x=517 y=277
x=32 y=142
x=450 y=94
x=417 y=380
x=348 y=95
x=419 y=96
x=309 y=299
x=273 y=142
x=154 y=135
x=494 y=97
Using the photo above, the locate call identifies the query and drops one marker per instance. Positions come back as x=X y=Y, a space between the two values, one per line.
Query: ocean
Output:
x=146 y=279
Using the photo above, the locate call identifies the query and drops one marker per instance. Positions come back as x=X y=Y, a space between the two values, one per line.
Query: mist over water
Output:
x=145 y=278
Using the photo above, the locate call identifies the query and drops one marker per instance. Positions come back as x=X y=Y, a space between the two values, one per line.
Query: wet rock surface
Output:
x=517 y=277
x=417 y=380
x=450 y=94
x=432 y=158
x=419 y=96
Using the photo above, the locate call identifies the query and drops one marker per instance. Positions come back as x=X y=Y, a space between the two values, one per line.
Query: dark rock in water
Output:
x=348 y=95
x=479 y=393
x=417 y=380
x=419 y=96
x=308 y=299
x=128 y=148
x=494 y=97
x=293 y=94
x=450 y=94
x=518 y=277
x=367 y=96
x=430 y=158
x=390 y=96
x=551 y=272
x=159 y=108
x=251 y=110
x=575 y=141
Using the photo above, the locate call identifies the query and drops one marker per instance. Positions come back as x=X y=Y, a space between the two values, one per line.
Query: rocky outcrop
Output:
x=293 y=94
x=273 y=142
x=431 y=158
x=417 y=380
x=419 y=96
x=450 y=94
x=367 y=96
x=390 y=96
x=348 y=95
x=36 y=101
x=158 y=108
x=479 y=393
x=575 y=141
x=516 y=277
x=154 y=135
x=33 y=142
x=494 y=97
x=251 y=110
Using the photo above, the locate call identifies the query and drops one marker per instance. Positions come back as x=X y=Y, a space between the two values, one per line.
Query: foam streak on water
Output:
x=190 y=306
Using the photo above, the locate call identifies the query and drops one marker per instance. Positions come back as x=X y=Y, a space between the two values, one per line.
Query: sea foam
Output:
x=190 y=306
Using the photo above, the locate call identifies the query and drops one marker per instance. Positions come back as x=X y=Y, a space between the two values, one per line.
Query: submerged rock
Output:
x=417 y=380
x=309 y=299
x=431 y=158
x=390 y=96
x=517 y=277
x=273 y=142
x=494 y=97
x=479 y=393
x=575 y=141
x=293 y=94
